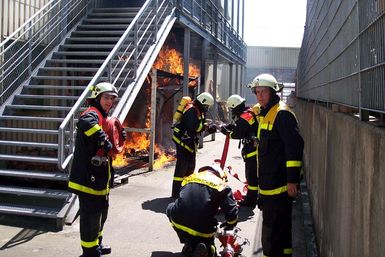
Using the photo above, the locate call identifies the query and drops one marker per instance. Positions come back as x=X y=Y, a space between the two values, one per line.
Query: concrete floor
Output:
x=137 y=225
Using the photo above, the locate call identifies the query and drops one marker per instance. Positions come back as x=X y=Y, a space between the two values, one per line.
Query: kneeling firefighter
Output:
x=244 y=127
x=192 y=215
x=91 y=173
x=185 y=136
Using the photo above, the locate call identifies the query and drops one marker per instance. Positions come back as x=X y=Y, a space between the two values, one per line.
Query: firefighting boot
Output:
x=200 y=250
x=104 y=249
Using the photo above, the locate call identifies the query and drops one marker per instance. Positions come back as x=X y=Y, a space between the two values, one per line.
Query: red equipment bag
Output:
x=113 y=129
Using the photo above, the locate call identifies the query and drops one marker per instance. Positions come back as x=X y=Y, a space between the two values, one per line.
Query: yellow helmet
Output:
x=102 y=87
x=265 y=80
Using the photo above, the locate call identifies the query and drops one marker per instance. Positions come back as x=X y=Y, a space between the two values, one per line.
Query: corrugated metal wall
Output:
x=13 y=13
x=281 y=62
x=342 y=57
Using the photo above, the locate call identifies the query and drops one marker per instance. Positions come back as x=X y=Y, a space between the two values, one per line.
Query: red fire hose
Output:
x=225 y=150
x=113 y=128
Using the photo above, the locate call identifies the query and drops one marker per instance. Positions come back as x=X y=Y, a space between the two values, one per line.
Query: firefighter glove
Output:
x=224 y=130
x=124 y=134
x=227 y=226
x=107 y=146
x=212 y=129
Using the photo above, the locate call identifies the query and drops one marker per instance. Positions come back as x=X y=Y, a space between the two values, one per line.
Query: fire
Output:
x=171 y=60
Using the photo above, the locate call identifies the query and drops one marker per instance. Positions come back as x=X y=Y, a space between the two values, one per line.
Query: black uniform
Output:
x=192 y=215
x=245 y=129
x=91 y=183
x=280 y=158
x=186 y=138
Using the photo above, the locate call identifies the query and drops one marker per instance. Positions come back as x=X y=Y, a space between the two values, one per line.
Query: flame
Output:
x=171 y=60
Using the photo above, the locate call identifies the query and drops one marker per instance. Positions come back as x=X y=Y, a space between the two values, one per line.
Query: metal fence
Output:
x=342 y=58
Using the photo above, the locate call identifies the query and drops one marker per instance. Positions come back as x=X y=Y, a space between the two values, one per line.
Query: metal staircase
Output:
x=43 y=94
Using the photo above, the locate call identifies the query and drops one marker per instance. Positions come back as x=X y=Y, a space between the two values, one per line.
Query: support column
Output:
x=202 y=78
x=231 y=84
x=152 y=120
x=215 y=83
x=236 y=91
x=186 y=60
x=241 y=81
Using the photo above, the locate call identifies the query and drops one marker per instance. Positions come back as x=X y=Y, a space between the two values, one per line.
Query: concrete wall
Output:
x=344 y=163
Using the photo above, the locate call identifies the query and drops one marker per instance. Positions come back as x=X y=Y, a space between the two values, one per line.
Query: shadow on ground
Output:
x=166 y=254
x=158 y=205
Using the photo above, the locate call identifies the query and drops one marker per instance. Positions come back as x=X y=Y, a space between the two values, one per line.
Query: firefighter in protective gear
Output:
x=192 y=215
x=89 y=179
x=185 y=136
x=244 y=127
x=279 y=164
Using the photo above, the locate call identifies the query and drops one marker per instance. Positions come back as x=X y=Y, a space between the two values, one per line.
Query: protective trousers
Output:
x=186 y=238
x=252 y=179
x=185 y=165
x=276 y=226
x=93 y=214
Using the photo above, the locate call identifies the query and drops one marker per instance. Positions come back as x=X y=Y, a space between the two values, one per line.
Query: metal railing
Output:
x=121 y=66
x=207 y=15
x=31 y=43
x=342 y=58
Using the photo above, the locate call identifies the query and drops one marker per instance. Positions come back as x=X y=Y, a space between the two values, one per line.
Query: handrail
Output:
x=23 y=51
x=126 y=53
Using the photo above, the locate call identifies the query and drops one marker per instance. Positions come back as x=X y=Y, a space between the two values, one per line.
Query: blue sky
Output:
x=274 y=22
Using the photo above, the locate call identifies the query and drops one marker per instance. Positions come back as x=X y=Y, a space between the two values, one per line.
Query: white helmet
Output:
x=206 y=99
x=265 y=80
x=215 y=169
x=103 y=87
x=234 y=101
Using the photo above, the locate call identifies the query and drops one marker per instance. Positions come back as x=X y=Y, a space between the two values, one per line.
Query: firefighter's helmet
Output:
x=215 y=169
x=103 y=87
x=234 y=101
x=206 y=99
x=265 y=80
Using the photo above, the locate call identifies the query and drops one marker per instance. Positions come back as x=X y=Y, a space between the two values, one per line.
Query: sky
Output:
x=274 y=22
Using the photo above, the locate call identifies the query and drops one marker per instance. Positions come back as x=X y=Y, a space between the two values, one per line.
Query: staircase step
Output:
x=114 y=9
x=98 y=33
x=102 y=26
x=39 y=107
x=37 y=211
x=111 y=15
x=81 y=53
x=87 y=46
x=56 y=87
x=28 y=158
x=47 y=97
x=30 y=118
x=28 y=144
x=93 y=40
x=42 y=77
x=70 y=69
x=39 y=192
x=54 y=176
x=29 y=130
x=108 y=20
x=75 y=61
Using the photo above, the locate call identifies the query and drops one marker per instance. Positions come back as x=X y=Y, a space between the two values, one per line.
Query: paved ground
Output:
x=137 y=225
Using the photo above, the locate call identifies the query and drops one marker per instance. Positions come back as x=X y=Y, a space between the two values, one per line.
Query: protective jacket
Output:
x=85 y=178
x=201 y=195
x=191 y=124
x=246 y=129
x=280 y=149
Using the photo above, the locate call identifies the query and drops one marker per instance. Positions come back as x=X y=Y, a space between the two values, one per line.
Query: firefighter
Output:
x=279 y=164
x=244 y=127
x=185 y=136
x=192 y=215
x=91 y=173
